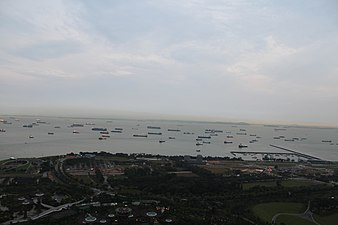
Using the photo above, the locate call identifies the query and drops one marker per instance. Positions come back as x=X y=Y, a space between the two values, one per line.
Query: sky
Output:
x=242 y=60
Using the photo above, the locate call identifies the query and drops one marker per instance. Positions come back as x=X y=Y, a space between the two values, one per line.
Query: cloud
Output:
x=263 y=59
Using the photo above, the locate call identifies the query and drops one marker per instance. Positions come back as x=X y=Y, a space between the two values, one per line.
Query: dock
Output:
x=289 y=152
x=296 y=153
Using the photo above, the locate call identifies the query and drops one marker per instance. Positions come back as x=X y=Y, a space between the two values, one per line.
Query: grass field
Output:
x=266 y=211
x=292 y=220
x=327 y=220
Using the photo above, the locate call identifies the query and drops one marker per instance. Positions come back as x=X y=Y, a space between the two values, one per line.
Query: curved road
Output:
x=308 y=215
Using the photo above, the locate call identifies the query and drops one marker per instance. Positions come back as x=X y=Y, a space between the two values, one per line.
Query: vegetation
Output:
x=192 y=193
x=327 y=220
x=266 y=211
x=293 y=220
x=283 y=183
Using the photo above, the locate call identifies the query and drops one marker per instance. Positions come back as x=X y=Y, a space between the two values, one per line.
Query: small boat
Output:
x=198 y=139
x=57 y=127
x=198 y=150
x=31 y=136
x=50 y=133
x=171 y=137
x=326 y=141
x=198 y=144
x=76 y=125
x=230 y=136
x=105 y=136
x=104 y=132
x=102 y=138
x=2 y=130
x=75 y=132
x=161 y=141
x=242 y=146
x=227 y=142
x=206 y=142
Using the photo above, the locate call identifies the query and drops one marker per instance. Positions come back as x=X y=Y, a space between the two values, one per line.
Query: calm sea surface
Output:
x=16 y=140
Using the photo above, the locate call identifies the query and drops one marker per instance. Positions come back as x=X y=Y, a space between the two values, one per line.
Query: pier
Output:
x=296 y=153
x=288 y=152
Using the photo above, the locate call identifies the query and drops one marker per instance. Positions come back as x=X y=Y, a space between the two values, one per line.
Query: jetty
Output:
x=289 y=152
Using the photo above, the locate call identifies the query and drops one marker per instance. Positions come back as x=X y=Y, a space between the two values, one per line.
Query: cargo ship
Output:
x=140 y=135
x=99 y=129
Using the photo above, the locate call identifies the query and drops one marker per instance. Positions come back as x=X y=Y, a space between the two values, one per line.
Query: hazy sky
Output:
x=256 y=60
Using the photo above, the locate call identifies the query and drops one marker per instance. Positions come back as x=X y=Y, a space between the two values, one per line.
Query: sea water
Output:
x=16 y=141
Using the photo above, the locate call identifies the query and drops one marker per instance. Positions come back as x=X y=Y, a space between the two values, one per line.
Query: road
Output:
x=308 y=215
x=44 y=213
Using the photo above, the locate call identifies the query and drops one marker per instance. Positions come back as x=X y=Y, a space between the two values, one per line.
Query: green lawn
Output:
x=327 y=220
x=292 y=220
x=298 y=183
x=266 y=211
